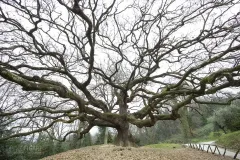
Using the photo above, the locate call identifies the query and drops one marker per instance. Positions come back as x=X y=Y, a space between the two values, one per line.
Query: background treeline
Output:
x=197 y=123
x=21 y=149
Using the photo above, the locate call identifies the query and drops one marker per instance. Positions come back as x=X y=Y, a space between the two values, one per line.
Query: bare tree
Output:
x=113 y=63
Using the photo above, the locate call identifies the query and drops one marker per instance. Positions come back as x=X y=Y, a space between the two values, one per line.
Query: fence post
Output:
x=214 y=149
x=236 y=154
x=224 y=151
x=218 y=150
x=195 y=146
x=199 y=147
x=208 y=148
x=203 y=147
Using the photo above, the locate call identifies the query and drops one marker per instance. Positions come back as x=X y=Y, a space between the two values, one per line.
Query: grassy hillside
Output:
x=111 y=152
x=230 y=140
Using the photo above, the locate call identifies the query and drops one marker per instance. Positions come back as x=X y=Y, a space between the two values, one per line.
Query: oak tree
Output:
x=113 y=63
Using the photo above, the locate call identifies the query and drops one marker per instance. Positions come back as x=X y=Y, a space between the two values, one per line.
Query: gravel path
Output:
x=111 y=152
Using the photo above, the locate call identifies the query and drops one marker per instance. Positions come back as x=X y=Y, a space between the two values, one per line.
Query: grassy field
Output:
x=230 y=140
x=213 y=136
x=164 y=145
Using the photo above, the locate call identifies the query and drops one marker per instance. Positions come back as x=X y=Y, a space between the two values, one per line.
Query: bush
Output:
x=215 y=135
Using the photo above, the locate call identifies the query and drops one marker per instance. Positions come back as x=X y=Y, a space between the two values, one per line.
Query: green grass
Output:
x=230 y=140
x=164 y=145
x=213 y=136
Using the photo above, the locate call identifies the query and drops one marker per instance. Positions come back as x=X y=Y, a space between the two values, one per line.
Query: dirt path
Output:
x=120 y=153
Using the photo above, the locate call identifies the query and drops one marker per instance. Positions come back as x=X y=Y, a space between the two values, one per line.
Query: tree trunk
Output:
x=124 y=137
x=184 y=124
x=106 y=135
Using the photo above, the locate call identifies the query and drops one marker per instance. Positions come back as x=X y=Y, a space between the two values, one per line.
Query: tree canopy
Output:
x=113 y=63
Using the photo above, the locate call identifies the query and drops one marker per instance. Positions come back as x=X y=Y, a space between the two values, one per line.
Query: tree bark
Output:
x=185 y=124
x=124 y=137
x=105 y=135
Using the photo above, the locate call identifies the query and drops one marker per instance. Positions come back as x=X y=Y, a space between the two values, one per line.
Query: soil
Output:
x=111 y=152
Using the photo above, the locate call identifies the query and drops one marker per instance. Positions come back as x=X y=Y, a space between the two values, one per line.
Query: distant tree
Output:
x=185 y=127
x=87 y=140
x=59 y=147
x=45 y=145
x=101 y=136
x=74 y=142
x=227 y=118
x=161 y=132
x=11 y=148
x=3 y=144
x=113 y=63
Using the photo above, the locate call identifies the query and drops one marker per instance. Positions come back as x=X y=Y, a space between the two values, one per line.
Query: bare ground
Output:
x=110 y=152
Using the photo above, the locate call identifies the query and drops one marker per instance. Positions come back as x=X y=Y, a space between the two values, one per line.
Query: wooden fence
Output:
x=211 y=148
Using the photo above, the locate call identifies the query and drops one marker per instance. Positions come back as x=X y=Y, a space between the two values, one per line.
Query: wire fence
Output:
x=214 y=149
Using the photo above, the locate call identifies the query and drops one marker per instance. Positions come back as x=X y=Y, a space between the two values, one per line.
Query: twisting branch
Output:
x=113 y=63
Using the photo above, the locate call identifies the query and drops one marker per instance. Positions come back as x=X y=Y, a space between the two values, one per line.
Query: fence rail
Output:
x=210 y=148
